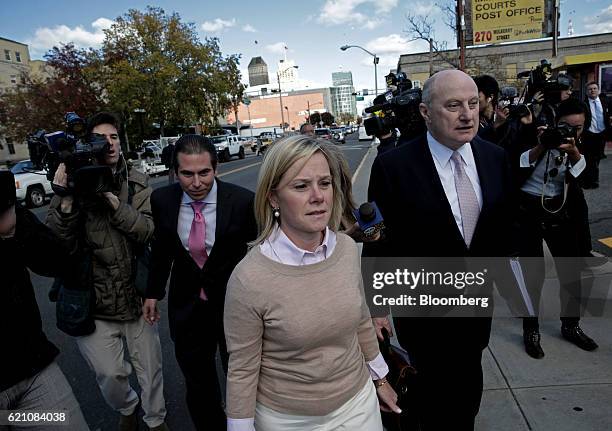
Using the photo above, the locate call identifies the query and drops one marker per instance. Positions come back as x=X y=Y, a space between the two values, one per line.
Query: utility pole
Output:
x=461 y=33
x=555 y=40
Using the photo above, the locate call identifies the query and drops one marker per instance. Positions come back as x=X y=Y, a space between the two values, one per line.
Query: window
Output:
x=7 y=55
x=11 y=148
x=13 y=79
x=17 y=56
x=605 y=78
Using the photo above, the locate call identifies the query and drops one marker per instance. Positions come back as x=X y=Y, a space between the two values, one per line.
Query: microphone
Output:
x=369 y=218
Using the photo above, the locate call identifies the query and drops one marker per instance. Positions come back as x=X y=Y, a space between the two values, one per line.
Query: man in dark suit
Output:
x=595 y=135
x=446 y=193
x=202 y=227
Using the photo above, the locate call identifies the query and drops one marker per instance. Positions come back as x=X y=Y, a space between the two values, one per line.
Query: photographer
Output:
x=551 y=210
x=490 y=117
x=29 y=378
x=110 y=225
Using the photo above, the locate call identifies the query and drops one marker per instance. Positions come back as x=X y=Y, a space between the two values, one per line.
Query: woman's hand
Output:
x=357 y=234
x=379 y=323
x=386 y=396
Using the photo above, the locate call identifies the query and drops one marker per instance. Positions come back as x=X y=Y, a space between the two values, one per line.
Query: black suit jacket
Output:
x=418 y=218
x=419 y=223
x=235 y=227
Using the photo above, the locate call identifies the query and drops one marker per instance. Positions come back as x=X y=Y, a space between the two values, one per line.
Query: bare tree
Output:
x=421 y=27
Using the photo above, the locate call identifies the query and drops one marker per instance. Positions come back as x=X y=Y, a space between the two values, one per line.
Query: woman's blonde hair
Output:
x=277 y=161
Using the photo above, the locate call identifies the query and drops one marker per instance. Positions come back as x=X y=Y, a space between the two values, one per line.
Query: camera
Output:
x=398 y=108
x=508 y=99
x=540 y=79
x=81 y=153
x=554 y=136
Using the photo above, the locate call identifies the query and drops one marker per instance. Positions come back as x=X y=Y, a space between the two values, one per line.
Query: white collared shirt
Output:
x=280 y=248
x=209 y=212
x=554 y=185
x=446 y=171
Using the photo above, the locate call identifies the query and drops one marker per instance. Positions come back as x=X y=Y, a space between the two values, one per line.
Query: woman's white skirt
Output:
x=360 y=413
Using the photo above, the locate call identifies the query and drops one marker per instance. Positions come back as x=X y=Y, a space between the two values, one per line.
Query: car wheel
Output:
x=226 y=155
x=35 y=196
x=241 y=153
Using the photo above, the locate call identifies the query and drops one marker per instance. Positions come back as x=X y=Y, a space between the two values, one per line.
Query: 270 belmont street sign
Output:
x=495 y=21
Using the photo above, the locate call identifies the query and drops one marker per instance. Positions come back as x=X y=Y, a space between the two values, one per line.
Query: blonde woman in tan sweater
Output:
x=303 y=352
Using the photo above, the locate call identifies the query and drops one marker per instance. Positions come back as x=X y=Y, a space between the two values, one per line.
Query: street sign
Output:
x=496 y=21
x=246 y=101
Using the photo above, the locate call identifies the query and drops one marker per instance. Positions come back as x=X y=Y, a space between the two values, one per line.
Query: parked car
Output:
x=323 y=132
x=338 y=134
x=228 y=146
x=32 y=185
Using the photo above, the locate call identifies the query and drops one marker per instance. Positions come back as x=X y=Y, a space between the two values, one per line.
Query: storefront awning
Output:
x=574 y=60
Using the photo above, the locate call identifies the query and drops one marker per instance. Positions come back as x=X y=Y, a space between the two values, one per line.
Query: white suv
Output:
x=228 y=146
x=32 y=185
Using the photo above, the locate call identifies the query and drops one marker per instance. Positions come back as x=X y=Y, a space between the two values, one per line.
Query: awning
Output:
x=573 y=60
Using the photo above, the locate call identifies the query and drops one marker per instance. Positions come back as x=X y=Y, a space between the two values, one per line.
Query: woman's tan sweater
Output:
x=298 y=336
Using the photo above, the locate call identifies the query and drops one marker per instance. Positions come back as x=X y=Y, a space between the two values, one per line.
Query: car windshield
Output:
x=22 y=167
x=218 y=139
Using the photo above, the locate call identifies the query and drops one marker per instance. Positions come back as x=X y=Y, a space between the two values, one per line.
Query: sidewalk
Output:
x=569 y=389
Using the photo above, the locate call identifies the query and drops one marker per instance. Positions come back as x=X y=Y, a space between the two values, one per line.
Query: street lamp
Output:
x=280 y=94
x=376 y=60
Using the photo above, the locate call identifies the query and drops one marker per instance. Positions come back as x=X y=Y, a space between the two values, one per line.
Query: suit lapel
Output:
x=487 y=180
x=174 y=206
x=426 y=169
x=174 y=209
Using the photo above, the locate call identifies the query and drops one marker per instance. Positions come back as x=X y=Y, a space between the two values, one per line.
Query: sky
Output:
x=312 y=31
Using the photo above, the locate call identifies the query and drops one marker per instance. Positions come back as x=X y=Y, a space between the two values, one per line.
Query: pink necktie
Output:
x=468 y=202
x=197 y=239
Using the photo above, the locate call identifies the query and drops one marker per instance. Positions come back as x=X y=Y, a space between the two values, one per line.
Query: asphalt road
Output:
x=98 y=415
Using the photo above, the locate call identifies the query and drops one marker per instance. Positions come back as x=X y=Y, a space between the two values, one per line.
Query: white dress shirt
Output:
x=554 y=186
x=446 y=171
x=209 y=212
x=279 y=248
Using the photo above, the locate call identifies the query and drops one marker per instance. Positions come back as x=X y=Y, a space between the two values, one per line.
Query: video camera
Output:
x=80 y=153
x=540 y=79
x=508 y=99
x=552 y=137
x=398 y=108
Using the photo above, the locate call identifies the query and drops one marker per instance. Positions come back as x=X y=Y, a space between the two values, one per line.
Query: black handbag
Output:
x=402 y=378
x=76 y=299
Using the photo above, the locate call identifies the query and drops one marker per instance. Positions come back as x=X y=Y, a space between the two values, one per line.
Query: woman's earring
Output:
x=276 y=212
